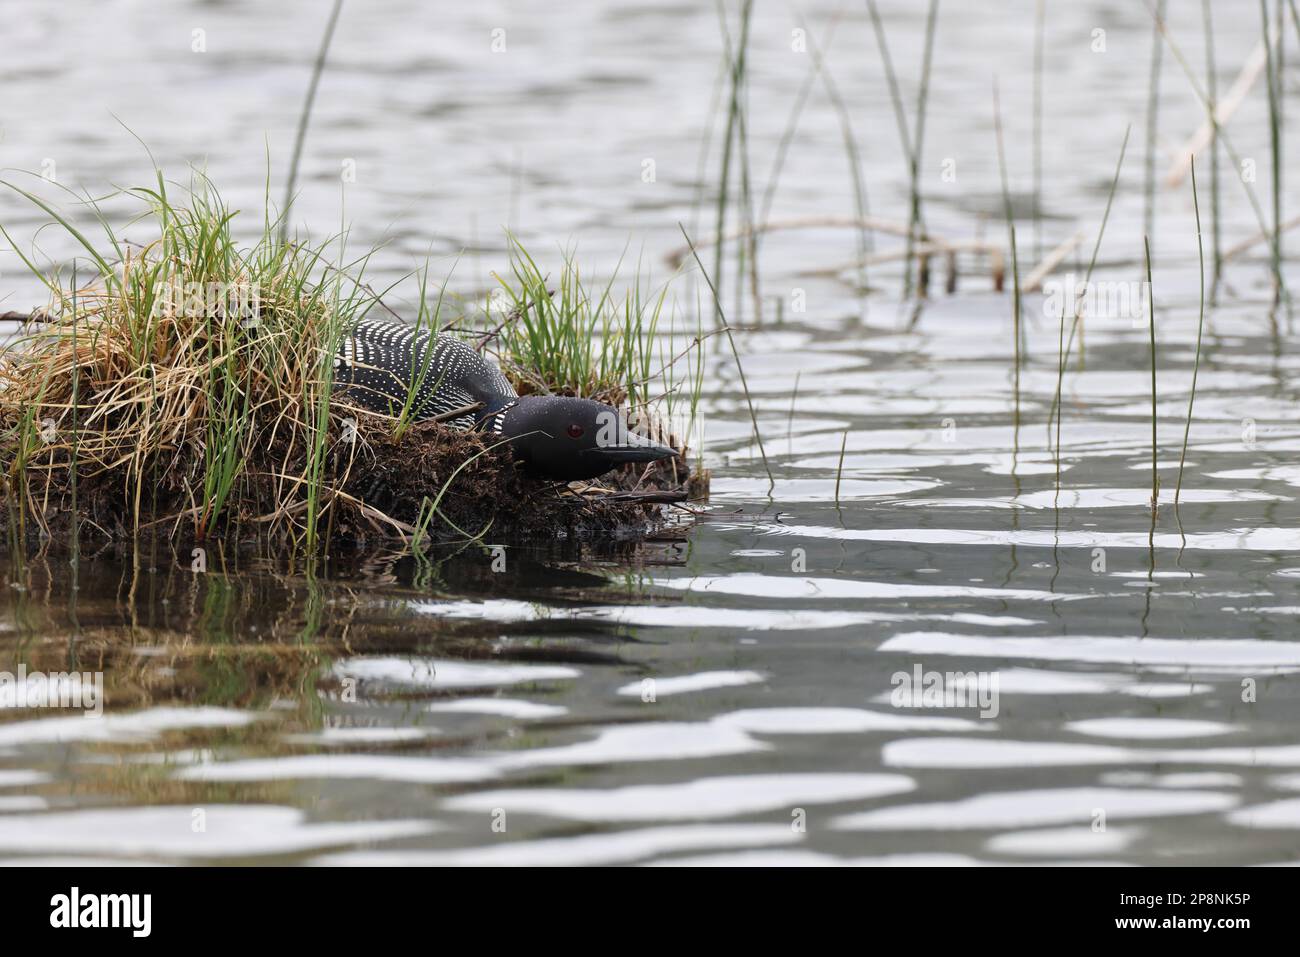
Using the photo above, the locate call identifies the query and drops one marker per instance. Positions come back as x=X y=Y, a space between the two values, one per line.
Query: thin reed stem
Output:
x=1039 y=32
x=1212 y=104
x=76 y=399
x=1153 y=123
x=1220 y=134
x=1273 y=78
x=744 y=384
x=736 y=61
x=839 y=471
x=1151 y=323
x=922 y=98
x=1015 y=263
x=854 y=157
x=1055 y=411
x=317 y=68
x=1200 y=330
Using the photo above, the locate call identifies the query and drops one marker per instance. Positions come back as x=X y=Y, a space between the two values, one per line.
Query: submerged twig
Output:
x=1219 y=112
x=1034 y=281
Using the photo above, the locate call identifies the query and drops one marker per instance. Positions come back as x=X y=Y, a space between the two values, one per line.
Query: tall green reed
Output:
x=1212 y=105
x=1273 y=79
x=1200 y=331
x=1221 y=135
x=735 y=353
x=1153 y=125
x=913 y=144
x=1151 y=324
x=1016 y=311
x=318 y=67
x=736 y=62
x=1064 y=346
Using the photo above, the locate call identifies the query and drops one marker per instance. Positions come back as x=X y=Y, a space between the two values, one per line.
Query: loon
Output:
x=555 y=437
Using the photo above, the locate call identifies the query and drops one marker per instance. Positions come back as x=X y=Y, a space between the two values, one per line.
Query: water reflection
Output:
x=721 y=692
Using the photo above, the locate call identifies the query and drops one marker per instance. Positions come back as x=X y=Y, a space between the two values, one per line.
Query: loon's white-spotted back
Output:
x=378 y=361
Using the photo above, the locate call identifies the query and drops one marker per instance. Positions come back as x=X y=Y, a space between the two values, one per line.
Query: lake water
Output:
x=723 y=691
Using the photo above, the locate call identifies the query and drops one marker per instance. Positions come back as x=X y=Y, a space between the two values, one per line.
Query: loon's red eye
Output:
x=575 y=431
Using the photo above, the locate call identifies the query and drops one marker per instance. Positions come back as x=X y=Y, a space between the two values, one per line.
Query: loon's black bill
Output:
x=620 y=454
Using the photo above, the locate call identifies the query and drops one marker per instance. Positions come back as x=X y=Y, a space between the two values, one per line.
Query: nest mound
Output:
x=187 y=390
x=430 y=484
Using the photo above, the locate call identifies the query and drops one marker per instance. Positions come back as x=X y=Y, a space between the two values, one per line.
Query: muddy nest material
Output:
x=431 y=483
x=474 y=484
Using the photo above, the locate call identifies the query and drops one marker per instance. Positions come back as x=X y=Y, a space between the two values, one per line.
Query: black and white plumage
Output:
x=377 y=362
x=558 y=437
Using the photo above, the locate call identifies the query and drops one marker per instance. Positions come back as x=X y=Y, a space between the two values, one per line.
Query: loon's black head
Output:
x=560 y=437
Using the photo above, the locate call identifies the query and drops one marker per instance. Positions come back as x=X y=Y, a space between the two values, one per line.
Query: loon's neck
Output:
x=493 y=421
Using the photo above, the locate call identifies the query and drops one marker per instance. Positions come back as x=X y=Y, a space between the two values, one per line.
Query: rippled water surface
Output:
x=720 y=693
